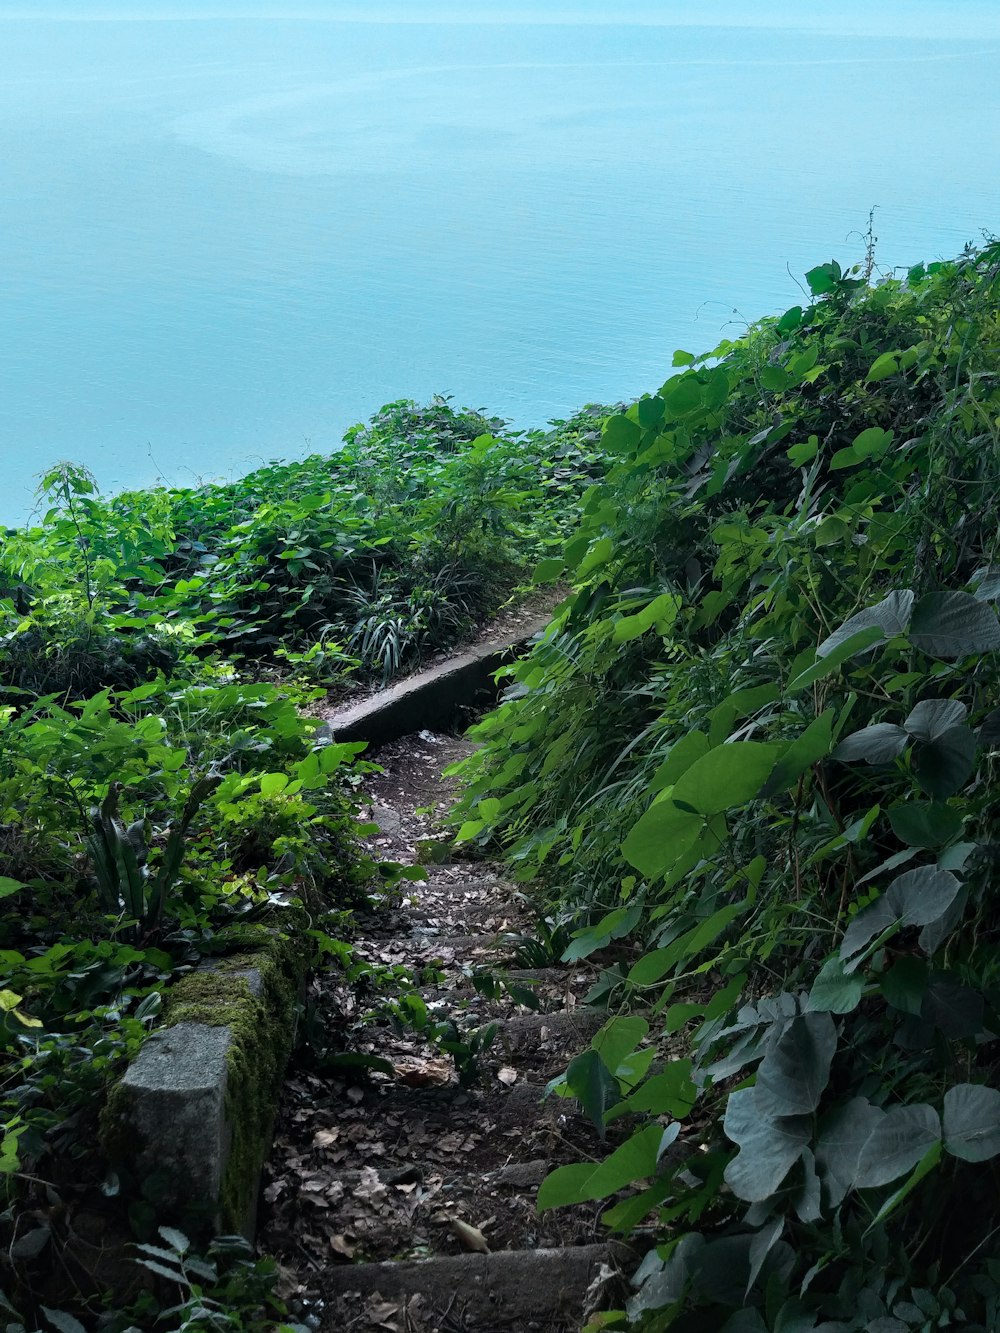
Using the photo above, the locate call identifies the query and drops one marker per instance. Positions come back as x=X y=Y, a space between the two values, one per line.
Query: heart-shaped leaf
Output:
x=972 y=1122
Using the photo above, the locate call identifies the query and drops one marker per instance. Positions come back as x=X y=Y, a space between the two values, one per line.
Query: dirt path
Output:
x=403 y=1200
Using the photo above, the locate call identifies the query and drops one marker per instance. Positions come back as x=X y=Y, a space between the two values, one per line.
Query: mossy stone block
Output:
x=174 y=1097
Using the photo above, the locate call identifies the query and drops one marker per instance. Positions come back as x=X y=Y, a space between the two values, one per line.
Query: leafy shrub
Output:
x=415 y=531
x=755 y=752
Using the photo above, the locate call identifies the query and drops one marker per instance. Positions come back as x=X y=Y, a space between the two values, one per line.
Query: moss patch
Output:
x=262 y=1028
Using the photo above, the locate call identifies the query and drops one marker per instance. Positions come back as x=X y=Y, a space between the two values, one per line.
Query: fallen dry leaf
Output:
x=344 y=1245
x=384 y=1314
x=370 y=1187
x=323 y=1138
x=419 y=1072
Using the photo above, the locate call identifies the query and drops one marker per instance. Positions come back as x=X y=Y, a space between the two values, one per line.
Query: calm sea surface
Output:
x=225 y=241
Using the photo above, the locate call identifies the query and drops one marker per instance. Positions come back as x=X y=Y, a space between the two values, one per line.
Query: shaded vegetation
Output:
x=752 y=763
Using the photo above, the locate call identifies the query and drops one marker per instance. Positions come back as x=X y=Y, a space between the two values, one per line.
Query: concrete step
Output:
x=432 y=698
x=543 y=1289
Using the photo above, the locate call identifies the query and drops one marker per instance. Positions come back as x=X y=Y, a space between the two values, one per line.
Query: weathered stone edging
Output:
x=192 y=1119
x=431 y=699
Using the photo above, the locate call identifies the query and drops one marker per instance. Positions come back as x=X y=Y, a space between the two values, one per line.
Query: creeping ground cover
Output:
x=753 y=765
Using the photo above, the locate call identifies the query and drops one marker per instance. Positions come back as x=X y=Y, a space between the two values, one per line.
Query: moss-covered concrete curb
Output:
x=191 y=1121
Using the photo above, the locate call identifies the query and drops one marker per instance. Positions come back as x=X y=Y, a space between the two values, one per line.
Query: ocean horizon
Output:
x=227 y=240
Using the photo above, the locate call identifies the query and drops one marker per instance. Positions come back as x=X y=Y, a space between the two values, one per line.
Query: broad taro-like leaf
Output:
x=668 y=1093
x=953 y=624
x=836 y=991
x=945 y=764
x=898 y=1142
x=933 y=717
x=878 y=744
x=814 y=744
x=769 y=1147
x=792 y=1076
x=934 y=935
x=691 y=746
x=727 y=776
x=925 y=824
x=972 y=1122
x=660 y=837
x=915 y=898
x=891 y=616
x=618 y=1038
x=844 y=1133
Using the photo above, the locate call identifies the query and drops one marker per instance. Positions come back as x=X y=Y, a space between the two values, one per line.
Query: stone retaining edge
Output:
x=430 y=699
x=191 y=1121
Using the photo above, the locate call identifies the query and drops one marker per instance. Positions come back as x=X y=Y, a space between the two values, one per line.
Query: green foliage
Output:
x=754 y=754
x=395 y=546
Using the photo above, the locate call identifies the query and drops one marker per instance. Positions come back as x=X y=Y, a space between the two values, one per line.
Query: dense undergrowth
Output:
x=162 y=786
x=753 y=762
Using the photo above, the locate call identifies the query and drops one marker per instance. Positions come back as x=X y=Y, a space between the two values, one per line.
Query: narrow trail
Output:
x=383 y=1191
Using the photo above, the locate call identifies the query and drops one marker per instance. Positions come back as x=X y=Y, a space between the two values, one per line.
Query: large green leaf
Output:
x=691 y=746
x=768 y=1146
x=972 y=1122
x=727 y=776
x=618 y=1038
x=669 y=1093
x=915 y=898
x=843 y=1134
x=878 y=744
x=814 y=744
x=944 y=765
x=953 y=624
x=900 y=1139
x=660 y=838
x=593 y=1085
x=620 y=435
x=792 y=1076
x=871 y=443
x=635 y=1159
x=835 y=991
x=891 y=616
x=931 y=718
x=925 y=824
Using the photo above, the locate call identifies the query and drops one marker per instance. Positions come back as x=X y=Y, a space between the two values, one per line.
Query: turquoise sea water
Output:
x=228 y=239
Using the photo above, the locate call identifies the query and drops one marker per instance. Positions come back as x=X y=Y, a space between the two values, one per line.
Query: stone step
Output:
x=541 y=1289
x=432 y=698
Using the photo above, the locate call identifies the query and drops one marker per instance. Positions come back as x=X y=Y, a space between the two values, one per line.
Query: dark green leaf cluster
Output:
x=752 y=761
